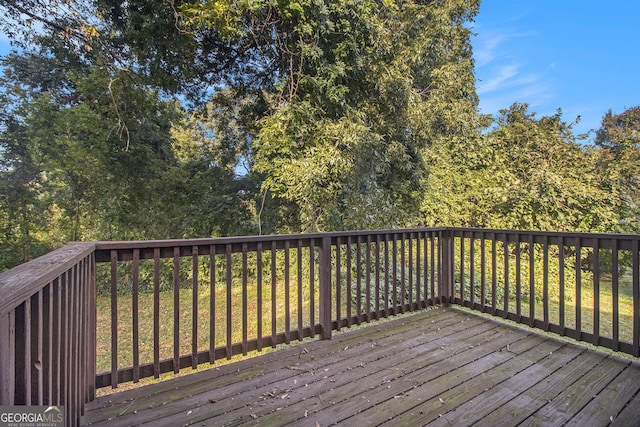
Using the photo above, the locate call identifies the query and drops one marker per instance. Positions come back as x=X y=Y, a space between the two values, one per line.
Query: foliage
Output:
x=154 y=119
x=526 y=173
x=618 y=141
x=90 y=154
x=356 y=94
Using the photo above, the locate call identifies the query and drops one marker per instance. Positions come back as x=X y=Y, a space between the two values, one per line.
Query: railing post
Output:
x=7 y=361
x=325 y=288
x=446 y=265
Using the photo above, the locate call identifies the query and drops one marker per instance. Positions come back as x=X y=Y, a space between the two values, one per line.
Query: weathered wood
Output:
x=325 y=289
x=499 y=391
x=629 y=415
x=574 y=398
x=19 y=283
x=258 y=368
x=409 y=371
x=534 y=398
x=176 y=310
x=114 y=318
x=609 y=402
x=194 y=307
x=300 y=376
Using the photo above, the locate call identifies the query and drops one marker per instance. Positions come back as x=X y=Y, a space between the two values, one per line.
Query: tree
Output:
x=527 y=173
x=354 y=92
x=618 y=141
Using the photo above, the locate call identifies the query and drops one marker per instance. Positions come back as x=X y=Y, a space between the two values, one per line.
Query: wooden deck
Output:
x=439 y=367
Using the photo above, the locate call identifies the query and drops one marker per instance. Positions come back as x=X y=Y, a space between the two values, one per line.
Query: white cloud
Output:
x=497 y=80
x=501 y=80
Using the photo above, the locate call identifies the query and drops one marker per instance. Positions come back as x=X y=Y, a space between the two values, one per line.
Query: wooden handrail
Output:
x=47 y=331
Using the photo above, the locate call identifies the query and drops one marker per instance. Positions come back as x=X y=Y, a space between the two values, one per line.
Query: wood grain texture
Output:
x=438 y=367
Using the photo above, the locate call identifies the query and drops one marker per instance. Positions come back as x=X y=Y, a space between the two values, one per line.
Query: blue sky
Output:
x=580 y=56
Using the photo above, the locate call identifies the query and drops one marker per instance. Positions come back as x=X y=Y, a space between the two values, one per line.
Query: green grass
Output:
x=146 y=316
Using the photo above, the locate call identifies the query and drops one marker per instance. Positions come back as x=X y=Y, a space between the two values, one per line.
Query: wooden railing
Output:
x=93 y=315
x=297 y=286
x=47 y=331
x=584 y=286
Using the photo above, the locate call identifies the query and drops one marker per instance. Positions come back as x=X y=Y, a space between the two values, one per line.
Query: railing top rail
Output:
x=19 y=283
x=573 y=234
x=145 y=244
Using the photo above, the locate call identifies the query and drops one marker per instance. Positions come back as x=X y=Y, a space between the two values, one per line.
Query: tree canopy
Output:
x=165 y=119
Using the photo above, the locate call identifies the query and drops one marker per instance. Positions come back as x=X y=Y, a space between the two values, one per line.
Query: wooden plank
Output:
x=338 y=275
x=518 y=251
x=347 y=381
x=374 y=405
x=563 y=407
x=483 y=272
x=629 y=415
x=367 y=278
x=494 y=275
x=293 y=381
x=325 y=289
x=419 y=298
x=58 y=339
x=176 y=310
x=300 y=286
x=313 y=352
x=636 y=298
x=156 y=313
x=274 y=298
x=545 y=284
x=312 y=291
x=135 y=315
x=615 y=315
x=114 y=318
x=528 y=402
x=245 y=308
x=596 y=292
x=403 y=279
x=194 y=306
x=48 y=344
x=433 y=267
x=605 y=407
x=462 y=296
x=38 y=273
x=365 y=367
x=388 y=370
x=445 y=393
x=377 y=283
x=472 y=271
x=348 y=282
x=394 y=275
x=358 y=281
x=287 y=292
x=7 y=358
x=507 y=284
x=229 y=305
x=561 y=280
x=212 y=300
x=532 y=282
x=386 y=275
x=499 y=393
x=410 y=269
x=37 y=347
x=578 y=295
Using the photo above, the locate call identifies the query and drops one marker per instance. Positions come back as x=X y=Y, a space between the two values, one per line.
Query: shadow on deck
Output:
x=439 y=367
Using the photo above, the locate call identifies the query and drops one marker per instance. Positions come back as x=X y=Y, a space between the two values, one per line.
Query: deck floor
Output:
x=439 y=367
